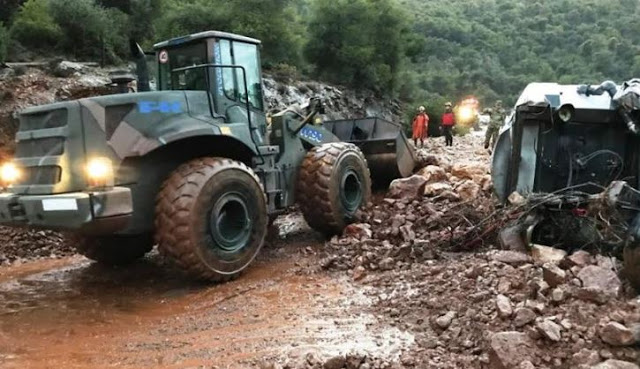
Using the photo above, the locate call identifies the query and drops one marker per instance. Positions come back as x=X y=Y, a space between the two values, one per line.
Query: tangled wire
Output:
x=569 y=218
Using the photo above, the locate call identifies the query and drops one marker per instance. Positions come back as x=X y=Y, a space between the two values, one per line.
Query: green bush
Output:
x=34 y=26
x=284 y=72
x=90 y=30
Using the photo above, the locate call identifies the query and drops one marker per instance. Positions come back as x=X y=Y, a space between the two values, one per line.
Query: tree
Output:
x=8 y=9
x=34 y=26
x=90 y=30
x=358 y=42
x=274 y=22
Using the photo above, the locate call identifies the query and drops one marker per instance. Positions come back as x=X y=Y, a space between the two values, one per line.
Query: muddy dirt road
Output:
x=69 y=313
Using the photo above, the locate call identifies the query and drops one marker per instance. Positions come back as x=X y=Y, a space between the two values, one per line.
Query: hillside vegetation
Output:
x=420 y=51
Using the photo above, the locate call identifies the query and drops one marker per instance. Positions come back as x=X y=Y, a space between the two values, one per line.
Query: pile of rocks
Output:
x=17 y=245
x=487 y=308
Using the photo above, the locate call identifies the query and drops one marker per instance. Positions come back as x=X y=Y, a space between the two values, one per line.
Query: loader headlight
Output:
x=465 y=114
x=9 y=174
x=99 y=172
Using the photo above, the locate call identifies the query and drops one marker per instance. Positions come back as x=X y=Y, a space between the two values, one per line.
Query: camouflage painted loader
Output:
x=193 y=167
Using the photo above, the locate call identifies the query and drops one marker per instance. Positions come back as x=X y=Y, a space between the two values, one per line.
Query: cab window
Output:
x=225 y=58
x=246 y=55
x=185 y=56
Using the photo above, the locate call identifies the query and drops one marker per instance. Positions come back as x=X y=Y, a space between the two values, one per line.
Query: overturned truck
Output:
x=576 y=151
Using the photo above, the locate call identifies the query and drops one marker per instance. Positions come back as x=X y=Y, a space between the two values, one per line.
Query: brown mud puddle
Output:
x=70 y=313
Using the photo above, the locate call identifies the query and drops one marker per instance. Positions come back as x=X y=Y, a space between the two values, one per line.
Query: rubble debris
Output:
x=17 y=245
x=503 y=304
x=445 y=320
x=553 y=275
x=516 y=199
x=598 y=284
x=524 y=316
x=407 y=188
x=549 y=330
x=617 y=334
x=514 y=258
x=509 y=349
x=545 y=254
x=66 y=69
x=433 y=173
x=579 y=258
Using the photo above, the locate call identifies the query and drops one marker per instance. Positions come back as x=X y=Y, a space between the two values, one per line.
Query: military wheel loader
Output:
x=192 y=167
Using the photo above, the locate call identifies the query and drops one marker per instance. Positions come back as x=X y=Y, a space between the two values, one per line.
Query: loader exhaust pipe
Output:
x=142 y=70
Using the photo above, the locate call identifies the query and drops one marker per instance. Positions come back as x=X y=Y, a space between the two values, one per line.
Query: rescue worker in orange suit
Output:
x=420 y=125
x=448 y=121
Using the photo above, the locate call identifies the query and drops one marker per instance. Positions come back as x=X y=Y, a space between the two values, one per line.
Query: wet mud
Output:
x=70 y=313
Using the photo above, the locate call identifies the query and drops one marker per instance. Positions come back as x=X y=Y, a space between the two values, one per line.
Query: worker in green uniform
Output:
x=497 y=119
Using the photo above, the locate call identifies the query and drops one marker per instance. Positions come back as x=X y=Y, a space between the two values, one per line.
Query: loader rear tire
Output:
x=211 y=218
x=334 y=183
x=112 y=250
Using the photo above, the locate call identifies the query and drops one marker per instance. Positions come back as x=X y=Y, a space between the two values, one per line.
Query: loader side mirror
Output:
x=142 y=69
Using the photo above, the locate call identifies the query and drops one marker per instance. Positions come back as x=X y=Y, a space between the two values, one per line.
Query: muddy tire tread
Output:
x=172 y=230
x=313 y=191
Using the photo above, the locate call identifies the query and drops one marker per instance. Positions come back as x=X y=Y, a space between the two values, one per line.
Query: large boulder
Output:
x=468 y=190
x=553 y=275
x=408 y=188
x=524 y=316
x=436 y=189
x=433 y=173
x=617 y=334
x=550 y=330
x=471 y=171
x=508 y=349
x=514 y=258
x=66 y=69
x=544 y=254
x=598 y=284
x=503 y=304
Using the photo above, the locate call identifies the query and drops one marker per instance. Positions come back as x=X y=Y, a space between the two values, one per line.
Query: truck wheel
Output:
x=334 y=183
x=112 y=250
x=631 y=262
x=211 y=218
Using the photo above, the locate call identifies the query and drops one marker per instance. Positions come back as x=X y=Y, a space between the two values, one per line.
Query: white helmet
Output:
x=421 y=108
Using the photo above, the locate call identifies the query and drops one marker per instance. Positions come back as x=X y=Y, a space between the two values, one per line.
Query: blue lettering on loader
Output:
x=165 y=107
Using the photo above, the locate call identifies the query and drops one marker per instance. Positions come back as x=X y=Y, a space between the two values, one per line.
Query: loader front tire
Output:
x=334 y=183
x=211 y=218
x=112 y=250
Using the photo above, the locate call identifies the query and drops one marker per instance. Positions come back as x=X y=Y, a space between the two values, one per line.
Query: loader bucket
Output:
x=383 y=144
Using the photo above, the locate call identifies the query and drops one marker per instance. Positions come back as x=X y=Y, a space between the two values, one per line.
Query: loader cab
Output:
x=224 y=64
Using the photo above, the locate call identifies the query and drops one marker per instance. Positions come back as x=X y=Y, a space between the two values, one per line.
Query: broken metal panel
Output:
x=528 y=158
